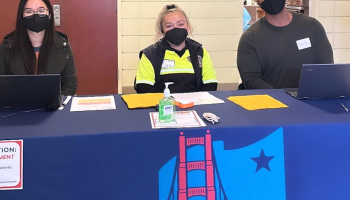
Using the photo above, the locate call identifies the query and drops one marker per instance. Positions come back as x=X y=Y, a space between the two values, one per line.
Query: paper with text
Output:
x=11 y=164
x=183 y=119
x=199 y=98
x=93 y=103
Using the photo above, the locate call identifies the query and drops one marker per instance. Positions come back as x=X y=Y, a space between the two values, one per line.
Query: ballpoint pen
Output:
x=66 y=101
x=345 y=108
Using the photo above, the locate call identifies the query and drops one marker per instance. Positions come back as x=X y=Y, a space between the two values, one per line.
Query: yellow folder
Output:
x=257 y=102
x=146 y=100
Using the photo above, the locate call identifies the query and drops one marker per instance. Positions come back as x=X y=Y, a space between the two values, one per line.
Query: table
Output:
x=301 y=152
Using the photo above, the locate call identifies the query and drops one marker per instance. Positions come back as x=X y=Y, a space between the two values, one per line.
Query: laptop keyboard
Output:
x=293 y=93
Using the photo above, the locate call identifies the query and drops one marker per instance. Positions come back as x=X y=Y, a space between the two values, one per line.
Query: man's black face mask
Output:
x=273 y=7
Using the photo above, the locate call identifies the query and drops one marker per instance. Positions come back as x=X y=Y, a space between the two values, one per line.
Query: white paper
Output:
x=183 y=119
x=11 y=164
x=93 y=103
x=199 y=98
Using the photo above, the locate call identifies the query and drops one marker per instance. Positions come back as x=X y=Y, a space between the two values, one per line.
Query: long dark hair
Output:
x=23 y=45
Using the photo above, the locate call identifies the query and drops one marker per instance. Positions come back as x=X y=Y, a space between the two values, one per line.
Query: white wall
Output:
x=218 y=26
x=335 y=17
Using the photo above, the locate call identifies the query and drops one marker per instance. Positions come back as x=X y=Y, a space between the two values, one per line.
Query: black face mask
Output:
x=273 y=7
x=176 y=36
x=36 y=23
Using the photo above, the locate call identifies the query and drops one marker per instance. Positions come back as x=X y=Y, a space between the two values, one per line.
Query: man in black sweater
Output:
x=271 y=52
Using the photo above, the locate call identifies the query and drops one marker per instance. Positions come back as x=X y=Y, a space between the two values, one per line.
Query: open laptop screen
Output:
x=320 y=81
x=30 y=91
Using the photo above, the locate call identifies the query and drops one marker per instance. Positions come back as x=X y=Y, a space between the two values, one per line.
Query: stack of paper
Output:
x=199 y=98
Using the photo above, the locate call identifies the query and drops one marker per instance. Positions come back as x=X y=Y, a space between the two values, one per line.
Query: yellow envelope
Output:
x=142 y=100
x=257 y=102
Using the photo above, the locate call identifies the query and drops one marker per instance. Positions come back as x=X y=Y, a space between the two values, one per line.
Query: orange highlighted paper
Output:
x=257 y=102
x=93 y=103
x=146 y=100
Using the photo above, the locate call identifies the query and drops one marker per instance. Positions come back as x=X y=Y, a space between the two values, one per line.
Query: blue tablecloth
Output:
x=300 y=152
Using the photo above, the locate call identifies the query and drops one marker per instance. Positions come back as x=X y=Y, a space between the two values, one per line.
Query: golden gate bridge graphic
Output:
x=210 y=191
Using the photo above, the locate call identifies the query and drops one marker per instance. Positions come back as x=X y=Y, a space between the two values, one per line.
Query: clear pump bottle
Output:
x=167 y=106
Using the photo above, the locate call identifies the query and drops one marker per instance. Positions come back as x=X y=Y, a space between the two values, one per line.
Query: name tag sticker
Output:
x=168 y=64
x=304 y=43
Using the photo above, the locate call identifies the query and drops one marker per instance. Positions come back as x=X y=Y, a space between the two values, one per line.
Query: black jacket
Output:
x=61 y=61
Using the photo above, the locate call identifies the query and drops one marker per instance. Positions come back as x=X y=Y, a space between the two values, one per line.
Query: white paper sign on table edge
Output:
x=10 y=149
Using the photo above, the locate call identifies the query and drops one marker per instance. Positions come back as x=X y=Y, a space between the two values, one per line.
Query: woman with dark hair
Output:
x=36 y=48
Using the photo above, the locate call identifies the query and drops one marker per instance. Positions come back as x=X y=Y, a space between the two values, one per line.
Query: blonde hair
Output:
x=159 y=24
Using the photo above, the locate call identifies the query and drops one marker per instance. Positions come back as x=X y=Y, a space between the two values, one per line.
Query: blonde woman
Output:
x=174 y=58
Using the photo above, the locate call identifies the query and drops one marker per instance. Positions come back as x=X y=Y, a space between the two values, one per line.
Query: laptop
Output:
x=320 y=81
x=30 y=91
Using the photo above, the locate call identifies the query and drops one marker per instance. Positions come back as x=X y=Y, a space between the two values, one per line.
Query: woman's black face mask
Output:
x=36 y=23
x=176 y=36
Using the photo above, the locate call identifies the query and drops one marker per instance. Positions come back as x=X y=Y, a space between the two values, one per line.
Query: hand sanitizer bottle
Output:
x=167 y=106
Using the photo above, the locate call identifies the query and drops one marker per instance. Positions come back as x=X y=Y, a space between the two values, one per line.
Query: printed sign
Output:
x=11 y=164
